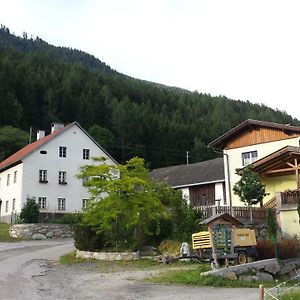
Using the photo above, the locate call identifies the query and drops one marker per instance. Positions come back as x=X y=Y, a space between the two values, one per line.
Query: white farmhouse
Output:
x=47 y=169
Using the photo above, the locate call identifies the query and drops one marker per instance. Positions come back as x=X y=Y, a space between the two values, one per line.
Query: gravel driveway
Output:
x=28 y=271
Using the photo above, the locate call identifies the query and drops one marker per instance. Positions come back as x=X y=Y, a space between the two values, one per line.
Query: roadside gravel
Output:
x=28 y=270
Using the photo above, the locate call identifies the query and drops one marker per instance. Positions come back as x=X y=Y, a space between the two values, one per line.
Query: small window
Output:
x=249 y=157
x=15 y=176
x=43 y=176
x=43 y=152
x=86 y=153
x=61 y=204
x=8 y=179
x=42 y=203
x=62 y=151
x=62 y=177
x=13 y=204
x=6 y=206
x=84 y=203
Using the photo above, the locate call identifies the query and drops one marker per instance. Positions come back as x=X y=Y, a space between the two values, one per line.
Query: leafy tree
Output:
x=30 y=211
x=130 y=207
x=249 y=188
x=11 y=140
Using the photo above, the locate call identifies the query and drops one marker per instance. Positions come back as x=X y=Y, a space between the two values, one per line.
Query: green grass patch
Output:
x=194 y=277
x=4 y=236
x=122 y=265
x=294 y=295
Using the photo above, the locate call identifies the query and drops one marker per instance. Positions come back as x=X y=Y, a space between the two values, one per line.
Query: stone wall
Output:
x=40 y=231
x=268 y=269
x=110 y=256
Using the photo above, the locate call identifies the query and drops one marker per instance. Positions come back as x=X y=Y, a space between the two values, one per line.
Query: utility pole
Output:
x=187 y=157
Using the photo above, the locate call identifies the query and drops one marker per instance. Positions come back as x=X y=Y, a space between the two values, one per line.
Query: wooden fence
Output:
x=241 y=213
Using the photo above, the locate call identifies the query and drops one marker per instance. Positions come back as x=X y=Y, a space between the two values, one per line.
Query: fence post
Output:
x=261 y=292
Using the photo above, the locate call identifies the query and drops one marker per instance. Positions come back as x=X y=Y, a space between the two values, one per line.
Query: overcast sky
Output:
x=246 y=50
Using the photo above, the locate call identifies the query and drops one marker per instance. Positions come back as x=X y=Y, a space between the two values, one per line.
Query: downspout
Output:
x=228 y=177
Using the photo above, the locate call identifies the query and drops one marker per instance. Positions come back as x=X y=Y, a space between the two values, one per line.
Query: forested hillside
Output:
x=40 y=83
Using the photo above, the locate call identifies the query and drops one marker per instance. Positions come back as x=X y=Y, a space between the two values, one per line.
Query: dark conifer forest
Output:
x=41 y=84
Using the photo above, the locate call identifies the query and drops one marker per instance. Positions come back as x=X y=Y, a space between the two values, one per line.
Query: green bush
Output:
x=86 y=238
x=71 y=218
x=30 y=211
x=170 y=247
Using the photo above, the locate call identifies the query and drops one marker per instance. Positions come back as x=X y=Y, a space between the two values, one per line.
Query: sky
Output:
x=243 y=49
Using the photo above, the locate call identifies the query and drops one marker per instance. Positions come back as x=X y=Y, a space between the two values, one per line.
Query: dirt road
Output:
x=28 y=271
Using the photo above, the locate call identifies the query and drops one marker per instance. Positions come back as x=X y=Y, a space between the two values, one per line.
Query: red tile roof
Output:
x=19 y=155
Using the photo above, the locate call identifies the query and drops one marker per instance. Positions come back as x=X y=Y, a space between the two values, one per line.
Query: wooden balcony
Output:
x=242 y=213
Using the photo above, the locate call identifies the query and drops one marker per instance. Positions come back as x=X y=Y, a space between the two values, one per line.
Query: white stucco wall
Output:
x=219 y=193
x=75 y=140
x=186 y=194
x=11 y=191
x=235 y=160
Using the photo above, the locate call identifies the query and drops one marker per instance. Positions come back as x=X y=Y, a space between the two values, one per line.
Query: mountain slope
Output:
x=40 y=83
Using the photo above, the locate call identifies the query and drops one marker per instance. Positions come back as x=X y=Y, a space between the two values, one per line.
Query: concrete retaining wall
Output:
x=40 y=231
x=110 y=256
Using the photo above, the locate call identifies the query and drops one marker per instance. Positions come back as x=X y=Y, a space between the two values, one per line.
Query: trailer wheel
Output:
x=242 y=257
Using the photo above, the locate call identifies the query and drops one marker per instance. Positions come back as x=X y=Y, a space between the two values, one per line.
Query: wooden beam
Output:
x=297 y=173
x=281 y=170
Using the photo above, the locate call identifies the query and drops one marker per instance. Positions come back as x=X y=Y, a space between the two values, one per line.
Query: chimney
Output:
x=55 y=126
x=40 y=134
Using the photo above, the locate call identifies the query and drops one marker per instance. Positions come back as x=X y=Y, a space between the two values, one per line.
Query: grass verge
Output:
x=122 y=265
x=193 y=278
x=294 y=295
x=4 y=236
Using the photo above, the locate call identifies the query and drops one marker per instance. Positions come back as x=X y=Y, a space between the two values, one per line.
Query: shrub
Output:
x=170 y=247
x=30 y=211
x=86 y=238
x=265 y=249
x=71 y=218
x=286 y=248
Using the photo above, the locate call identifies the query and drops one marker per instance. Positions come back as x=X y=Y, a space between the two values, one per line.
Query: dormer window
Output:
x=249 y=157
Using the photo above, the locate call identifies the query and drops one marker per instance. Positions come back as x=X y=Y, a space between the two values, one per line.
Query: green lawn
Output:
x=4 y=236
x=295 y=295
x=122 y=265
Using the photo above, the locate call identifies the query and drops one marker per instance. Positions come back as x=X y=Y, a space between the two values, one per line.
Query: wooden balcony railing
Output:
x=241 y=213
x=272 y=203
x=290 y=198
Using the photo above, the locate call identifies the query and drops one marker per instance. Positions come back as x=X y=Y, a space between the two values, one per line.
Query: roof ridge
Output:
x=28 y=149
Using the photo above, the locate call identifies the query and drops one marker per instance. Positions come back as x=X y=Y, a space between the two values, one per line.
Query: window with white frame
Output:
x=13 y=208
x=6 y=206
x=62 y=177
x=86 y=154
x=8 y=179
x=249 y=157
x=43 y=176
x=15 y=176
x=62 y=151
x=61 y=204
x=84 y=203
x=42 y=202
